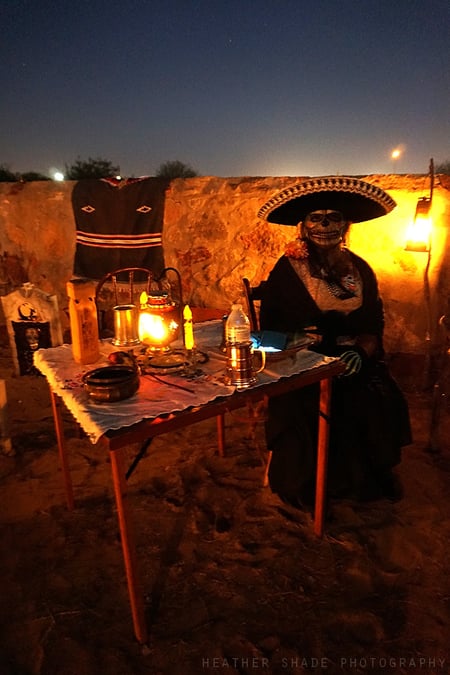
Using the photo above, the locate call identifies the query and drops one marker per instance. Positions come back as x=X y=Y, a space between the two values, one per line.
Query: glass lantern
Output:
x=159 y=321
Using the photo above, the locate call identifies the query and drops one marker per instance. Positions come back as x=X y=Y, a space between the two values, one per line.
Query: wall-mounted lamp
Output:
x=418 y=235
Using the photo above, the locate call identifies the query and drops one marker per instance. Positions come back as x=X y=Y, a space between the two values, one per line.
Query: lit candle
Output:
x=188 y=329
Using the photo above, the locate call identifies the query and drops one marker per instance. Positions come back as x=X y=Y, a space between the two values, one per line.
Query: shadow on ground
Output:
x=235 y=582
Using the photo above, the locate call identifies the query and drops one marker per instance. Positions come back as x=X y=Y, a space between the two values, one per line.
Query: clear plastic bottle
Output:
x=237 y=326
x=83 y=320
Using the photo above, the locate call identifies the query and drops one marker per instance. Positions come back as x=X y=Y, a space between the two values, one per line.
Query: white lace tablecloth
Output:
x=154 y=398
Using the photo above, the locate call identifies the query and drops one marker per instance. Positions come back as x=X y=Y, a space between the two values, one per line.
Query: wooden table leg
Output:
x=128 y=546
x=221 y=434
x=322 y=455
x=57 y=418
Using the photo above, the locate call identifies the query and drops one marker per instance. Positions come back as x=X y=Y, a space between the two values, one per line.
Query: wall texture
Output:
x=212 y=235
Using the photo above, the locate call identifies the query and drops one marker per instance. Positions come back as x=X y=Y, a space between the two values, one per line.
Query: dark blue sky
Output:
x=231 y=87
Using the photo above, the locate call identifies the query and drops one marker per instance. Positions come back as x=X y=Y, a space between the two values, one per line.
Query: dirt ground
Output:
x=235 y=582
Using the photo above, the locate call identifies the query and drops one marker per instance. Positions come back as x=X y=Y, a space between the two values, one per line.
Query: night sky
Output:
x=231 y=87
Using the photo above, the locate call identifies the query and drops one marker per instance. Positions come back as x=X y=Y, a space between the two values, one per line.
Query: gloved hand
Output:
x=353 y=362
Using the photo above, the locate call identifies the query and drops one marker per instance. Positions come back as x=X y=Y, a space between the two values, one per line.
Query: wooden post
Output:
x=128 y=547
x=5 y=441
x=57 y=418
x=221 y=434
x=322 y=455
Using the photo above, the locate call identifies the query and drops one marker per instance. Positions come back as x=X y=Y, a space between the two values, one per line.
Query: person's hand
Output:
x=353 y=362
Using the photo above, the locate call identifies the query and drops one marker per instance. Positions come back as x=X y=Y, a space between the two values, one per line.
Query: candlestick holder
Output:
x=193 y=359
x=190 y=364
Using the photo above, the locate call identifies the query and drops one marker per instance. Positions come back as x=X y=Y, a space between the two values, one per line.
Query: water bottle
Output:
x=237 y=326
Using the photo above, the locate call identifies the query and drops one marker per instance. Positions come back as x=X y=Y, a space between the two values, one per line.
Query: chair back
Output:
x=124 y=287
x=253 y=295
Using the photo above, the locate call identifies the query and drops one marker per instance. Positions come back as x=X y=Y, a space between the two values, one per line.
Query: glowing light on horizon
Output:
x=398 y=151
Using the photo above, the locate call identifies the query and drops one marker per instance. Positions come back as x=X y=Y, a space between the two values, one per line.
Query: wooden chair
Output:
x=256 y=414
x=124 y=286
x=253 y=296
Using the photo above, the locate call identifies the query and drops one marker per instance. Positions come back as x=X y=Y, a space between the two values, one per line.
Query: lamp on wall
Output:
x=418 y=236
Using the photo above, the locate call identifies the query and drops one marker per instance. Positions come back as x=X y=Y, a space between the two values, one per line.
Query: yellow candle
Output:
x=188 y=328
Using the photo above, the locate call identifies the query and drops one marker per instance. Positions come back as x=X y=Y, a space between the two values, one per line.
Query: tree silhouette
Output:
x=175 y=169
x=6 y=175
x=443 y=167
x=91 y=168
x=33 y=175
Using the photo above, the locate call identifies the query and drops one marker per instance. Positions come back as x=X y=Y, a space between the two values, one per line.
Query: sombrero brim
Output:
x=357 y=200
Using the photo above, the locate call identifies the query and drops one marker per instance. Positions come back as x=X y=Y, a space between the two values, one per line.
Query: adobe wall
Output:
x=212 y=235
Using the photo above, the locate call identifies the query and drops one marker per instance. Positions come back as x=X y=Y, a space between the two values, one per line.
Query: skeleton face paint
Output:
x=324 y=228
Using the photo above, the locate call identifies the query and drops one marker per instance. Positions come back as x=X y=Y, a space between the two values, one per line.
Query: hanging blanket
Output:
x=118 y=224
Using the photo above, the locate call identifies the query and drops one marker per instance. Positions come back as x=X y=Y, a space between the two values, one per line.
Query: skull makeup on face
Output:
x=325 y=228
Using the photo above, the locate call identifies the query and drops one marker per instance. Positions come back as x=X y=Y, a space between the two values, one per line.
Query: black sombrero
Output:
x=357 y=200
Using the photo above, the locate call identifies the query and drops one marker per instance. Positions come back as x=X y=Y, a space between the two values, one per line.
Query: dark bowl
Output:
x=111 y=383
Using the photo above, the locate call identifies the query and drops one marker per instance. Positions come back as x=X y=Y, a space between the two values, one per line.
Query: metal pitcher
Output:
x=125 y=326
x=241 y=370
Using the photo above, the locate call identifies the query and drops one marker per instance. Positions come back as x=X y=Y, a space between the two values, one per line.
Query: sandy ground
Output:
x=235 y=582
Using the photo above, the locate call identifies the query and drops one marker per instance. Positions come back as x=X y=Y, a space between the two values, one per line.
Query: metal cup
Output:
x=240 y=370
x=125 y=326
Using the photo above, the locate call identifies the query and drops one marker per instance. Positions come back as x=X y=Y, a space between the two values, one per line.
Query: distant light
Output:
x=395 y=154
x=58 y=176
x=118 y=177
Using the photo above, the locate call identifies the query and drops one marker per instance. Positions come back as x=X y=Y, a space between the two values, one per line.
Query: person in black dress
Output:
x=319 y=282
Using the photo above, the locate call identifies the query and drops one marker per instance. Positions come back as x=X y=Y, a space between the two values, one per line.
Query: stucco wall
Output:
x=211 y=233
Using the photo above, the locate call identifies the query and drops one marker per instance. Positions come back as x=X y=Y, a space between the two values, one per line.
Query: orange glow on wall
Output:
x=382 y=242
x=400 y=272
x=418 y=234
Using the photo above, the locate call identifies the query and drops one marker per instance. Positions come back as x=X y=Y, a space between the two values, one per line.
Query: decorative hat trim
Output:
x=361 y=200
